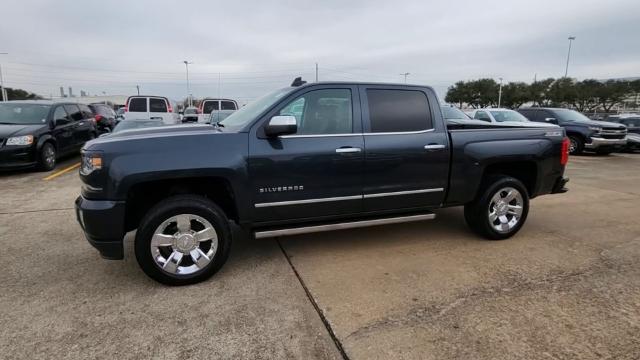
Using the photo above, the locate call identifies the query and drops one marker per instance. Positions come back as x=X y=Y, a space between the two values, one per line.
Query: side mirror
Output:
x=551 y=120
x=281 y=125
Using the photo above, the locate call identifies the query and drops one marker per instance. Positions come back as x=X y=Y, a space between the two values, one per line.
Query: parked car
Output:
x=632 y=122
x=150 y=107
x=136 y=124
x=209 y=104
x=190 y=115
x=105 y=117
x=274 y=174
x=36 y=133
x=506 y=117
x=585 y=134
x=120 y=114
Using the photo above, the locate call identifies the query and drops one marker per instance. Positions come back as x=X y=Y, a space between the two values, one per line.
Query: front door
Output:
x=406 y=150
x=63 y=130
x=316 y=172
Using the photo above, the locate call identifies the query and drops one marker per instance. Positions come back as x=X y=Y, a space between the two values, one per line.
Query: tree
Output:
x=539 y=91
x=586 y=95
x=514 y=94
x=611 y=93
x=19 y=94
x=458 y=93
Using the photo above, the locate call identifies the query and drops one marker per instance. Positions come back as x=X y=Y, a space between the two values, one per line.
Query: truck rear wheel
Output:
x=500 y=209
x=183 y=240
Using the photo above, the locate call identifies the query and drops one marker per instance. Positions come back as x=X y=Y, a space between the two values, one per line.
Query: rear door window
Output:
x=74 y=112
x=209 y=106
x=228 y=105
x=398 y=110
x=157 y=105
x=138 y=104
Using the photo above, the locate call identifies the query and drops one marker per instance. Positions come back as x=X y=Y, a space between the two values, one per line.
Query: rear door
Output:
x=316 y=172
x=406 y=149
x=138 y=108
x=208 y=106
x=159 y=110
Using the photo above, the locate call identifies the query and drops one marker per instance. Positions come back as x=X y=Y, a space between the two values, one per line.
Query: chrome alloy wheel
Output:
x=505 y=209
x=184 y=244
x=49 y=156
x=572 y=145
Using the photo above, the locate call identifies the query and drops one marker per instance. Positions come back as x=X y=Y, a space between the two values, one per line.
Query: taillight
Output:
x=126 y=107
x=98 y=118
x=564 y=156
x=169 y=106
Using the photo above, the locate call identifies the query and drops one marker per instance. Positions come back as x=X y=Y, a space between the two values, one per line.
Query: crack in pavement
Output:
x=35 y=211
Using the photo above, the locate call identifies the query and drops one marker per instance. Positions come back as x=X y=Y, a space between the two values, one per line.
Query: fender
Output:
x=44 y=138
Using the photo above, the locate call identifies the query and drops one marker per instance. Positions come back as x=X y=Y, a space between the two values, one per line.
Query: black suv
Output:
x=37 y=132
x=584 y=133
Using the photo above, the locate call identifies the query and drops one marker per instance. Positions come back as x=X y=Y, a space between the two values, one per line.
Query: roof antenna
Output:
x=298 y=82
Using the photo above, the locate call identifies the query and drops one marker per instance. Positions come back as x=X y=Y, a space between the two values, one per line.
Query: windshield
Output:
x=450 y=112
x=508 y=115
x=23 y=114
x=136 y=124
x=250 y=111
x=570 y=115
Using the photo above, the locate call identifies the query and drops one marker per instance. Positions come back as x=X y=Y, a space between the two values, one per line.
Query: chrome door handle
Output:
x=434 y=147
x=81 y=123
x=348 y=150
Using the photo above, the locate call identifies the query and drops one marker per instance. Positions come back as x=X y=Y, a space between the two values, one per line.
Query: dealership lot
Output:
x=567 y=286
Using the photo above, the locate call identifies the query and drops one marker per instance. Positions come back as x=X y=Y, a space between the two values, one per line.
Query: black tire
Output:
x=47 y=157
x=176 y=205
x=477 y=213
x=576 y=145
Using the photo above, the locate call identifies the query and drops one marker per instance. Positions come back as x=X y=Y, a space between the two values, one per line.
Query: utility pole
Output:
x=566 y=69
x=316 y=72
x=405 y=76
x=186 y=64
x=138 y=88
x=500 y=93
x=2 y=89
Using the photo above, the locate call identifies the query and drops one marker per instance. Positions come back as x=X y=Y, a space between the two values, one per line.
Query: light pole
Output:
x=186 y=64
x=2 y=90
x=500 y=93
x=405 y=76
x=566 y=69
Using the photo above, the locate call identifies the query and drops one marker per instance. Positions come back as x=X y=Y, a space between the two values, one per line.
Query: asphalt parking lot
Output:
x=566 y=287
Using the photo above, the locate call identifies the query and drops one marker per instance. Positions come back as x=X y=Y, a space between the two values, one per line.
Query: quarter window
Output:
x=138 y=105
x=327 y=111
x=398 y=110
x=157 y=105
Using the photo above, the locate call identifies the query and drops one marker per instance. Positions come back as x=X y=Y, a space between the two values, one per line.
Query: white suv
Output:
x=142 y=107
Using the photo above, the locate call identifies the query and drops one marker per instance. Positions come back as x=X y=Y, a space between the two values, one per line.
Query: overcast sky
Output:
x=257 y=46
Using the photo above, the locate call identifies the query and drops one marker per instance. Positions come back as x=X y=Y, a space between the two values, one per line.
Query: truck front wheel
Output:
x=500 y=210
x=183 y=240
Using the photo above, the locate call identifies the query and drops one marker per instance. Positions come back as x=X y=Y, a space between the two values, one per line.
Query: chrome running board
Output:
x=343 y=225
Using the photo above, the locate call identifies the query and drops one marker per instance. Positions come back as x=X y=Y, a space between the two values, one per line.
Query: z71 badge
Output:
x=280 y=189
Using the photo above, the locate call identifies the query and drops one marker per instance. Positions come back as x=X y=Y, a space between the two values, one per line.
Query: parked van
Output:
x=209 y=105
x=142 y=107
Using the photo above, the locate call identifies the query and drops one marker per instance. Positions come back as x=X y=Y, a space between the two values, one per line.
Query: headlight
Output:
x=595 y=128
x=90 y=163
x=20 y=140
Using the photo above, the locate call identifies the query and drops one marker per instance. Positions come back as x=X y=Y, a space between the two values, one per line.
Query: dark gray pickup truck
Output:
x=306 y=158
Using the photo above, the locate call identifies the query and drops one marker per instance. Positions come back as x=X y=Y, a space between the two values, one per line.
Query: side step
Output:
x=343 y=225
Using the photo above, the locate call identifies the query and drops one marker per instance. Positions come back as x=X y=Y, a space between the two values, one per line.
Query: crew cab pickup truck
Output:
x=307 y=158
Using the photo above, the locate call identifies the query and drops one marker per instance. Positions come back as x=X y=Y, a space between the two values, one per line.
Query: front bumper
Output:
x=597 y=142
x=103 y=224
x=16 y=157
